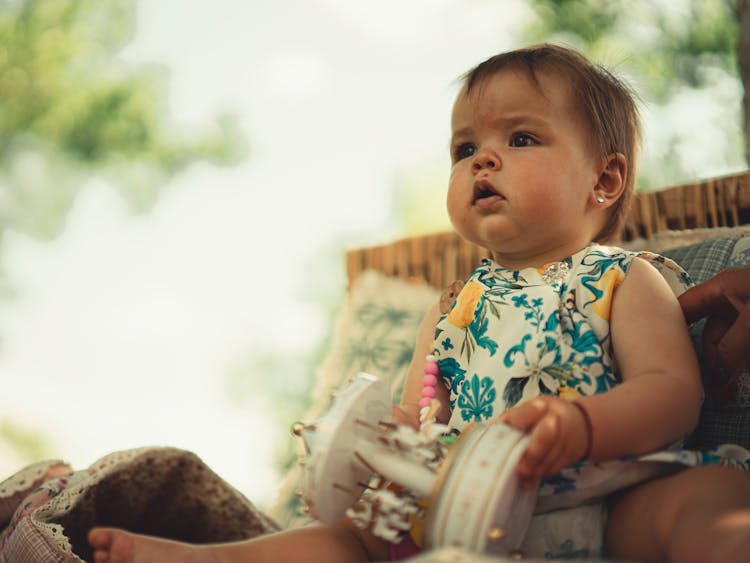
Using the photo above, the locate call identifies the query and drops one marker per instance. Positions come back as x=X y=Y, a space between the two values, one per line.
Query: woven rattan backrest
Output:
x=717 y=202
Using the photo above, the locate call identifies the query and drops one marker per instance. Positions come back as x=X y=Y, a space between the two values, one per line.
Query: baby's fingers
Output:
x=544 y=452
x=526 y=415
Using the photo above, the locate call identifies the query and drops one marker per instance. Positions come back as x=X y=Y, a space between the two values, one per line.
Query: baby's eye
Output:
x=464 y=150
x=522 y=140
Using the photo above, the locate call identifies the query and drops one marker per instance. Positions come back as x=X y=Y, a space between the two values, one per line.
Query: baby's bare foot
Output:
x=118 y=546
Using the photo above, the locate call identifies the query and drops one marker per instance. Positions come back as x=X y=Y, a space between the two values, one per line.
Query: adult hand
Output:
x=725 y=299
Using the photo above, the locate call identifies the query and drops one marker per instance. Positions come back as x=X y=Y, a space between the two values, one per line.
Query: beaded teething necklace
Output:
x=429 y=382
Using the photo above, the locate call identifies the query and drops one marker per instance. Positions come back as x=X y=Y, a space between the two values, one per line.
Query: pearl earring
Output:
x=600 y=199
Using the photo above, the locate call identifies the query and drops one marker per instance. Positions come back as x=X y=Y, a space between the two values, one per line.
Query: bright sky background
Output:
x=125 y=326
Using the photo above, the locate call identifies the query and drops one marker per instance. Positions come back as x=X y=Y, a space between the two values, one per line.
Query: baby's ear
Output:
x=611 y=182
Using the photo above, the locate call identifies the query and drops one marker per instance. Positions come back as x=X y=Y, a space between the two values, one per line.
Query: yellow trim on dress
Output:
x=607 y=284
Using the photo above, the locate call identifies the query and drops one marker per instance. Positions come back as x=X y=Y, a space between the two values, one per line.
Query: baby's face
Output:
x=523 y=173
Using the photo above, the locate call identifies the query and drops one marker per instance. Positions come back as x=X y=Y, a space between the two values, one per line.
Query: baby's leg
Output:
x=699 y=515
x=341 y=543
x=118 y=546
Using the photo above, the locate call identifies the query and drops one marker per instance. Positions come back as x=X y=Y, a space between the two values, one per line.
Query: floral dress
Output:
x=514 y=335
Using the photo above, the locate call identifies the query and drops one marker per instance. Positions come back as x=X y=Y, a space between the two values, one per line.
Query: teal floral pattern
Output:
x=521 y=337
x=477 y=398
x=453 y=377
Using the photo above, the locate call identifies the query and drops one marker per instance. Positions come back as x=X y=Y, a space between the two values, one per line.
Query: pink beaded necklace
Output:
x=429 y=382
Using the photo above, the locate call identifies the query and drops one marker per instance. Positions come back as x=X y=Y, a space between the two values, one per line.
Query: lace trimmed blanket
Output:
x=165 y=492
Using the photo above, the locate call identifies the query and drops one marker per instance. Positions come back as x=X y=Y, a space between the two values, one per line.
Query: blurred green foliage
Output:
x=284 y=379
x=69 y=108
x=665 y=48
x=668 y=44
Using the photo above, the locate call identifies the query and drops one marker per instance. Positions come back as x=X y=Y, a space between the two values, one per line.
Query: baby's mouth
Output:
x=485 y=195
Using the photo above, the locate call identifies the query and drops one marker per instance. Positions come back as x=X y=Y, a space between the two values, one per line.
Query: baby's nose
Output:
x=486 y=159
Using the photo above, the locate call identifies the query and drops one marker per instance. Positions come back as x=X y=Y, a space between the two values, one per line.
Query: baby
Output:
x=582 y=346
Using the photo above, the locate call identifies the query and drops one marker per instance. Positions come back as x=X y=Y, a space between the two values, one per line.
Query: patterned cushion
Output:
x=725 y=423
x=705 y=259
x=375 y=333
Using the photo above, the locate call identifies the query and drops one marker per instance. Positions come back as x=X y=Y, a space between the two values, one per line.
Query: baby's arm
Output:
x=408 y=410
x=657 y=403
x=660 y=398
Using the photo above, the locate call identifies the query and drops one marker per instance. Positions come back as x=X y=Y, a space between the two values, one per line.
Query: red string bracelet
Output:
x=589 y=428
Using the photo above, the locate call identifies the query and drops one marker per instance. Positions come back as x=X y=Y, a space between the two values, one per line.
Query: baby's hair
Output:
x=604 y=101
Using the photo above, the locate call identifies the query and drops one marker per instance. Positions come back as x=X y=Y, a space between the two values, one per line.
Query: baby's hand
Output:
x=402 y=415
x=559 y=436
